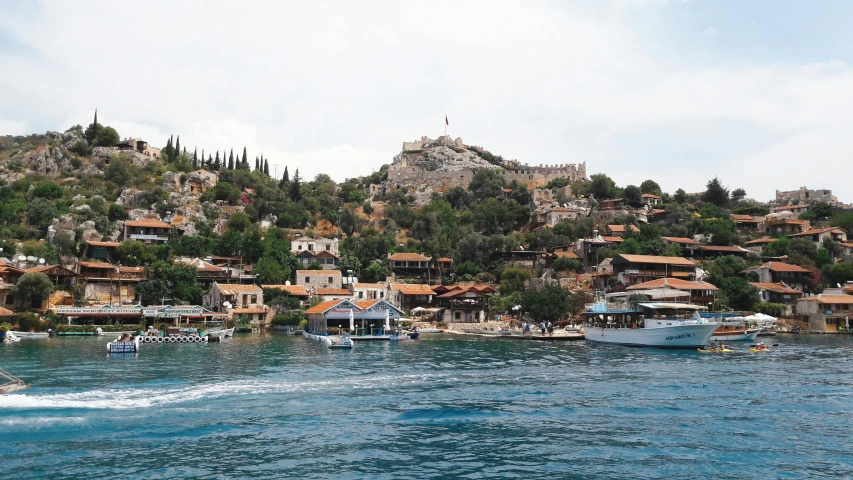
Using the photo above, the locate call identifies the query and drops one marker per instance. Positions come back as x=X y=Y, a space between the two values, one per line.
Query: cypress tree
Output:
x=209 y=161
x=195 y=157
x=231 y=163
x=286 y=176
x=230 y=157
x=266 y=168
x=245 y=158
x=256 y=163
x=203 y=163
x=216 y=161
x=177 y=147
x=296 y=187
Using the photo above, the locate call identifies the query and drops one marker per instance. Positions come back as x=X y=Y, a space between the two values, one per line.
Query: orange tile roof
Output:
x=649 y=195
x=412 y=289
x=655 y=259
x=323 y=307
x=759 y=241
x=742 y=218
x=621 y=228
x=408 y=257
x=612 y=239
x=295 y=290
x=681 y=240
x=146 y=222
x=201 y=265
x=673 y=283
x=785 y=267
x=776 y=287
x=334 y=273
x=103 y=244
x=365 y=304
x=818 y=231
x=566 y=254
x=333 y=291
x=724 y=248
x=368 y=285
x=6 y=313
x=229 y=288
x=826 y=298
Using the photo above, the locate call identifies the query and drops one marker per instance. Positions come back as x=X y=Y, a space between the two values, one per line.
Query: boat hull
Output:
x=679 y=336
x=737 y=335
x=31 y=335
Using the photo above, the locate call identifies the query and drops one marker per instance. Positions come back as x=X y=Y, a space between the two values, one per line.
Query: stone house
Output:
x=818 y=235
x=301 y=244
x=634 y=269
x=778 y=293
x=333 y=294
x=651 y=199
x=328 y=260
x=826 y=313
x=245 y=300
x=407 y=296
x=148 y=230
x=777 y=272
x=313 y=280
x=139 y=145
x=200 y=181
x=368 y=291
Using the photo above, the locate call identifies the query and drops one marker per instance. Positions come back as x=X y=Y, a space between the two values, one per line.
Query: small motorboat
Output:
x=31 y=335
x=11 y=338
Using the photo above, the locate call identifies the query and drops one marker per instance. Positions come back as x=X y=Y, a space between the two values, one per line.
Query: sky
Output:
x=756 y=93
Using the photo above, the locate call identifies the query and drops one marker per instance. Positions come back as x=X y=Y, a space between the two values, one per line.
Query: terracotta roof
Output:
x=365 y=304
x=368 y=285
x=323 y=307
x=760 y=241
x=445 y=260
x=846 y=244
x=649 y=195
x=722 y=248
x=334 y=273
x=612 y=239
x=146 y=222
x=295 y=290
x=412 y=289
x=103 y=244
x=784 y=267
x=231 y=288
x=776 y=288
x=818 y=231
x=408 y=257
x=566 y=254
x=742 y=218
x=203 y=266
x=825 y=298
x=249 y=310
x=681 y=240
x=6 y=313
x=673 y=283
x=622 y=228
x=654 y=259
x=333 y=291
x=95 y=265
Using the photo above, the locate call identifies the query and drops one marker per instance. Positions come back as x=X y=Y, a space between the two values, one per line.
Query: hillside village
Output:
x=97 y=228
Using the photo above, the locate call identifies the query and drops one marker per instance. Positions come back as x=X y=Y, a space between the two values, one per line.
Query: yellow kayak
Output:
x=759 y=350
x=714 y=350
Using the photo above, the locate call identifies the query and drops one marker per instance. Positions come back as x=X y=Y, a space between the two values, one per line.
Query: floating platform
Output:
x=331 y=341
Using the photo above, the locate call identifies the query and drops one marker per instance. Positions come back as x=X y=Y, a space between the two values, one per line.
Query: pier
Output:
x=331 y=341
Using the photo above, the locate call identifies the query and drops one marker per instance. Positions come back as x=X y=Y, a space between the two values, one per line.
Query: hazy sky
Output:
x=757 y=93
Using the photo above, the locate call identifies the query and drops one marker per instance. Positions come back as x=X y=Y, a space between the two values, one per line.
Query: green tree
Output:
x=602 y=186
x=239 y=222
x=295 y=187
x=375 y=272
x=229 y=244
x=632 y=194
x=121 y=171
x=40 y=213
x=843 y=220
x=134 y=253
x=716 y=193
x=270 y=272
x=563 y=264
x=33 y=286
x=512 y=280
x=107 y=137
x=680 y=196
x=738 y=194
x=48 y=190
x=349 y=221
x=486 y=183
x=739 y=294
x=547 y=304
x=116 y=212
x=650 y=186
x=92 y=130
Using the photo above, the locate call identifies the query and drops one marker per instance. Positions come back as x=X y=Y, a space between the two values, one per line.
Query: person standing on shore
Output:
x=542 y=327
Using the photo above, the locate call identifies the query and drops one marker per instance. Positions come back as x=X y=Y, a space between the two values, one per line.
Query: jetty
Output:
x=331 y=341
x=10 y=383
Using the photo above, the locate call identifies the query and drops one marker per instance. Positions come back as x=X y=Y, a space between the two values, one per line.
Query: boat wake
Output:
x=151 y=397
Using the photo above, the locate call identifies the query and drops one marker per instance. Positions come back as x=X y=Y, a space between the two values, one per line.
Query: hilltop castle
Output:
x=443 y=163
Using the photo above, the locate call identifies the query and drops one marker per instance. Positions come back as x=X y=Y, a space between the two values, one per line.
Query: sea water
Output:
x=278 y=406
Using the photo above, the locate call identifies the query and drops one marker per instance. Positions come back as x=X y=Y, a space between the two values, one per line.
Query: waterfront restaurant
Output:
x=368 y=315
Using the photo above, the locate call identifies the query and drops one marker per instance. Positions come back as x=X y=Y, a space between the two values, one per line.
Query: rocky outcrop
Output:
x=130 y=197
x=50 y=162
x=171 y=181
x=106 y=153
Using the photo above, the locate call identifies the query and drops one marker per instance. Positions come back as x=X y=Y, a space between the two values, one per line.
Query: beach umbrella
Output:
x=387 y=320
x=351 y=320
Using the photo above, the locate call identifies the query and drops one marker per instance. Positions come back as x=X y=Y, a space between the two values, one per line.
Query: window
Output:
x=307 y=280
x=299 y=247
x=330 y=280
x=10 y=299
x=457 y=315
x=254 y=299
x=360 y=295
x=311 y=247
x=381 y=294
x=328 y=247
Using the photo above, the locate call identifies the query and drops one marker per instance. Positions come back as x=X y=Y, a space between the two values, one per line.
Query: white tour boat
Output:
x=651 y=324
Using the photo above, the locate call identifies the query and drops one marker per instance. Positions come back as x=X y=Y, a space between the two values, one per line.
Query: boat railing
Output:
x=7 y=378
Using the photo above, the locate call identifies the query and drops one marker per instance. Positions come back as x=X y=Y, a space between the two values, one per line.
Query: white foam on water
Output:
x=148 y=397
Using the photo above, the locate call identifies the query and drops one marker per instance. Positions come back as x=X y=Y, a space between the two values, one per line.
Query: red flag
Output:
x=445 y=120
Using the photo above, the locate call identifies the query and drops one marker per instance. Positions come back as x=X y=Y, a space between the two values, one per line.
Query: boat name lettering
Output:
x=677 y=337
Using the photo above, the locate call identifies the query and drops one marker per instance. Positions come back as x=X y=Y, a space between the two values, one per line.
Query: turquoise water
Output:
x=278 y=406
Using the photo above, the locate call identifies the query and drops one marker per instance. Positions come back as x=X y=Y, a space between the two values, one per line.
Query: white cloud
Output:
x=709 y=32
x=337 y=87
